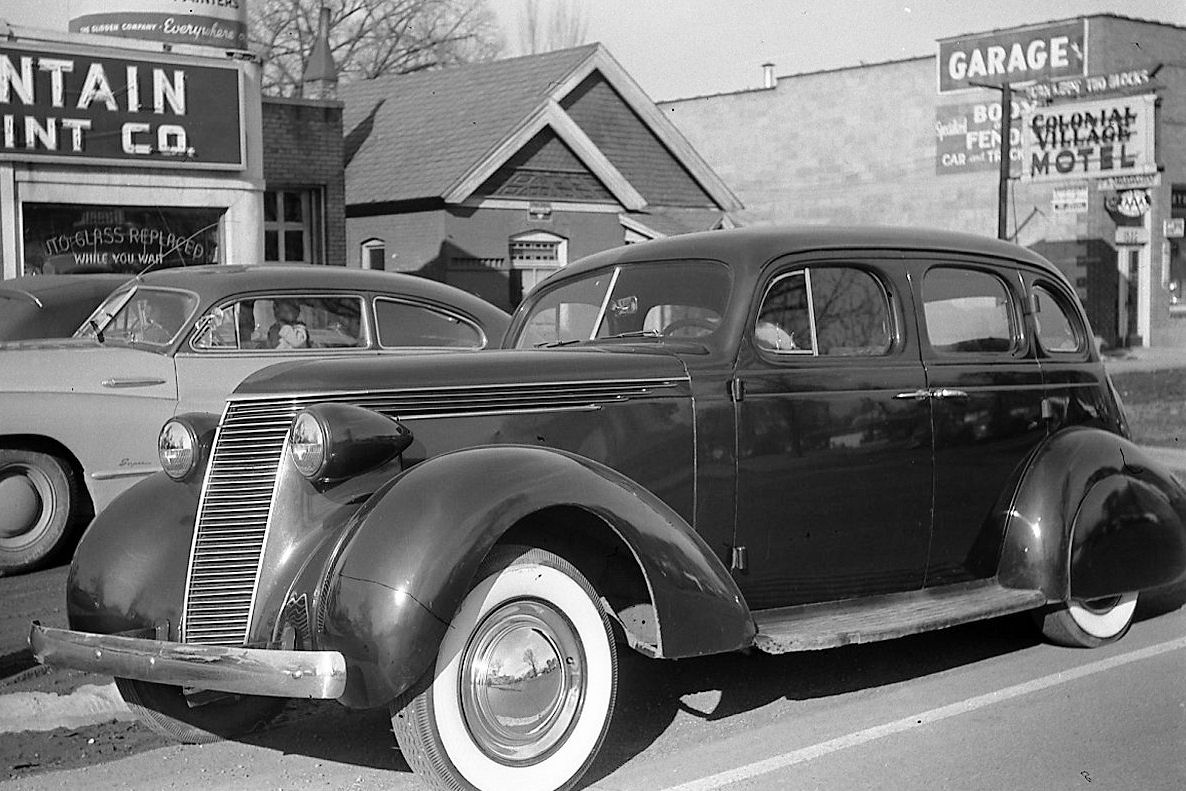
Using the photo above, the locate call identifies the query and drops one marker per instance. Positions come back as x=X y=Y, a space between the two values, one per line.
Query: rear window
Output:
x=968 y=311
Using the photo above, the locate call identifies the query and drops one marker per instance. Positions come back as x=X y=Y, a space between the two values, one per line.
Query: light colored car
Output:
x=79 y=417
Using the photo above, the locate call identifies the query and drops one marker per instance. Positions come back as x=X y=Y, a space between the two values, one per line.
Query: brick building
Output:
x=303 y=176
x=492 y=175
x=912 y=142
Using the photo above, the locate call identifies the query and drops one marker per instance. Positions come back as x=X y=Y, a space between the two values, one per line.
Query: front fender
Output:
x=130 y=566
x=417 y=544
x=1094 y=516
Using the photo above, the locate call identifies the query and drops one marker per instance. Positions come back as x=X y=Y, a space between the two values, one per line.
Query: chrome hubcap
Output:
x=522 y=682
x=26 y=499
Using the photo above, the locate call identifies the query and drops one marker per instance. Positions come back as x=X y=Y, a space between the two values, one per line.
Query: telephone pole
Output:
x=1006 y=152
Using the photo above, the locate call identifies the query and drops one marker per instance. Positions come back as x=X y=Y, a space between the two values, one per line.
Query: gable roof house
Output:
x=491 y=176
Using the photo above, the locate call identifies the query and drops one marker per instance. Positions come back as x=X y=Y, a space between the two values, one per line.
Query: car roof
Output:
x=754 y=247
x=48 y=290
x=217 y=280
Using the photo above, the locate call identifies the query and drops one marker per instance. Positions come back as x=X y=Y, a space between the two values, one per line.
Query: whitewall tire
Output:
x=523 y=687
x=1088 y=624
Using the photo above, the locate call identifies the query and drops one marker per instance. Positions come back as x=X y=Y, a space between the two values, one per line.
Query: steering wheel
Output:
x=691 y=322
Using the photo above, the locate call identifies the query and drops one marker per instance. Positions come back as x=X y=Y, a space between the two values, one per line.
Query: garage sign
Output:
x=97 y=109
x=1049 y=52
x=1094 y=139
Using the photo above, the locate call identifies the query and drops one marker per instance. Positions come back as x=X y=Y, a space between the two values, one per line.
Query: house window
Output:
x=534 y=256
x=291 y=227
x=374 y=254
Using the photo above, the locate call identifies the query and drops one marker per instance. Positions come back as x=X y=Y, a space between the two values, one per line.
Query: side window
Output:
x=968 y=311
x=1056 y=329
x=833 y=311
x=283 y=323
x=404 y=324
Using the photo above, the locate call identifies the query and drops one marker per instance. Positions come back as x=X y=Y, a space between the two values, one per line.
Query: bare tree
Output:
x=563 y=25
x=370 y=38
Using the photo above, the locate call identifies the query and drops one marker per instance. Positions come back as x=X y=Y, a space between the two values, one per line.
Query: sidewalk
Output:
x=1142 y=359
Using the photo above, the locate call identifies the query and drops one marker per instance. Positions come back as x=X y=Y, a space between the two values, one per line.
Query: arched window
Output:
x=373 y=254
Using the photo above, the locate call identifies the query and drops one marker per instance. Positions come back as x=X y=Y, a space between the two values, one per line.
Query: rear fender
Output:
x=1094 y=516
x=416 y=545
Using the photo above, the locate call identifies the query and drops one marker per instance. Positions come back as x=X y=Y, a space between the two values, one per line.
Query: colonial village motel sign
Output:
x=77 y=105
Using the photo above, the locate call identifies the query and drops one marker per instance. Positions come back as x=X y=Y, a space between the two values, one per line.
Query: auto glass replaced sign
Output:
x=1036 y=53
x=1107 y=137
x=79 y=107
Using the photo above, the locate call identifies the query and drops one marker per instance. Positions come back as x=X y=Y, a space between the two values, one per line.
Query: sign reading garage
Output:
x=1049 y=52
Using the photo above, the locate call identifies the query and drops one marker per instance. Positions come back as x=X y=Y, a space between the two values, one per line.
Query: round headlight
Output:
x=177 y=448
x=306 y=444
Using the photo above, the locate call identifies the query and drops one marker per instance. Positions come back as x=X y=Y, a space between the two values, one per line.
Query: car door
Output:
x=985 y=389
x=833 y=447
x=243 y=334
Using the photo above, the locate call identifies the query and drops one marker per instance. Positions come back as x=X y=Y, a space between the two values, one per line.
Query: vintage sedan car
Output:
x=51 y=306
x=79 y=417
x=771 y=439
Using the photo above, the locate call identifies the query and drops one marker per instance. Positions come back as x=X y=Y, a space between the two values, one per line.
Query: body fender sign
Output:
x=100 y=109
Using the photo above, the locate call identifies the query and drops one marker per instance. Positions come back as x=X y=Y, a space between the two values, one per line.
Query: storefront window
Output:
x=125 y=239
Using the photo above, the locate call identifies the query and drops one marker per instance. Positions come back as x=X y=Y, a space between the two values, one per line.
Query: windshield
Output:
x=149 y=318
x=672 y=299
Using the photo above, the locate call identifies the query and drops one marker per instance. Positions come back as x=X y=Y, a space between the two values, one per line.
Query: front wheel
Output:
x=198 y=718
x=524 y=683
x=38 y=493
x=1088 y=624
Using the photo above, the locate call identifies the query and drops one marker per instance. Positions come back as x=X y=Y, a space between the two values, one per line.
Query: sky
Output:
x=683 y=48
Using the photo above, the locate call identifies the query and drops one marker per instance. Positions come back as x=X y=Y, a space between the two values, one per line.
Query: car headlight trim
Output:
x=177 y=448
x=307 y=440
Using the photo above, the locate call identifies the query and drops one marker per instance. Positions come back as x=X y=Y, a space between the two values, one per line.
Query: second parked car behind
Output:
x=79 y=417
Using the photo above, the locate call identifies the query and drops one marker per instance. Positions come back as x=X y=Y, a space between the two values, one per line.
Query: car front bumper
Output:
x=246 y=671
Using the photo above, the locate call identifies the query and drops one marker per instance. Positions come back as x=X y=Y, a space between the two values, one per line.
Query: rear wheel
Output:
x=38 y=492
x=1088 y=624
x=198 y=718
x=524 y=683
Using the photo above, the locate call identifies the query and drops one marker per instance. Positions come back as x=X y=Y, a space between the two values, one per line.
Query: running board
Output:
x=811 y=627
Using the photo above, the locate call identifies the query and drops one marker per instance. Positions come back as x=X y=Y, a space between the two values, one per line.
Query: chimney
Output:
x=768 y=78
x=320 y=80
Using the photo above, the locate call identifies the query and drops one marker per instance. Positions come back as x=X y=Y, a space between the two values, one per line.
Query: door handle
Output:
x=914 y=395
x=948 y=392
x=130 y=382
x=937 y=392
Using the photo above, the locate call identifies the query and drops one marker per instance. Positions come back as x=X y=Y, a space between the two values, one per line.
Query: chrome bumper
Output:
x=246 y=671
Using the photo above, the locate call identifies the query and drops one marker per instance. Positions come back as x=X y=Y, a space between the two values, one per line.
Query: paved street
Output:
x=985 y=706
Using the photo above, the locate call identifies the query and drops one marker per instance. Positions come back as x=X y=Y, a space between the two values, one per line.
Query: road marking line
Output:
x=925 y=718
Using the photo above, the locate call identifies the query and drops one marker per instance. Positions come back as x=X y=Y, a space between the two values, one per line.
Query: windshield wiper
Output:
x=98 y=332
x=636 y=334
x=554 y=344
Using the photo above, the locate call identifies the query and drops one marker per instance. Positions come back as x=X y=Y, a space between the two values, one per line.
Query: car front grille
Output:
x=236 y=501
x=233 y=521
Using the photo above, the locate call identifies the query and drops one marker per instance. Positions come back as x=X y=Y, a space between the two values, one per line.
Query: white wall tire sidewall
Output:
x=548 y=584
x=1104 y=625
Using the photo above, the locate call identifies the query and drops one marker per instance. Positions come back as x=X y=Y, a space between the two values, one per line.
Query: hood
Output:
x=465 y=369
x=43 y=344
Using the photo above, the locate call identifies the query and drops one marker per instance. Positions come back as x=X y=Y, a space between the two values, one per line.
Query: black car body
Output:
x=785 y=439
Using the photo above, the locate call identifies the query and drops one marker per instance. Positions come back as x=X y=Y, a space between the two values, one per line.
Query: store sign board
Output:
x=158 y=112
x=968 y=137
x=1047 y=52
x=1079 y=87
x=1069 y=200
x=1092 y=139
x=1132 y=235
x=211 y=23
